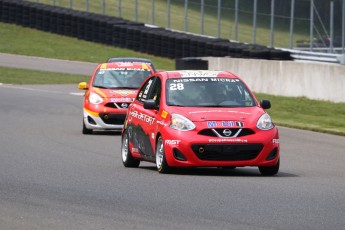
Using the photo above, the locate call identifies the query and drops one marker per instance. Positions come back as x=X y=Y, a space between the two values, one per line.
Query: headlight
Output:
x=265 y=122
x=95 y=98
x=180 y=122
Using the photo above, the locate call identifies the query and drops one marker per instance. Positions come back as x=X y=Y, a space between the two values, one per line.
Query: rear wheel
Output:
x=127 y=159
x=162 y=165
x=269 y=170
x=86 y=130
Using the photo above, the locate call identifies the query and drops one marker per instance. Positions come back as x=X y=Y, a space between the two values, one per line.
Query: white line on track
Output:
x=77 y=94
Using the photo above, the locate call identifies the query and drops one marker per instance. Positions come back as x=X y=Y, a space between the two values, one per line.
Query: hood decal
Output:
x=124 y=92
x=218 y=111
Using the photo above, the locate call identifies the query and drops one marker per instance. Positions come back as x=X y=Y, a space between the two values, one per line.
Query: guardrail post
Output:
x=219 y=16
x=311 y=24
x=236 y=20
x=202 y=11
x=343 y=30
x=185 y=15
x=292 y=13
x=254 y=20
x=153 y=13
x=120 y=8
x=168 y=14
x=341 y=59
x=272 y=23
x=331 y=28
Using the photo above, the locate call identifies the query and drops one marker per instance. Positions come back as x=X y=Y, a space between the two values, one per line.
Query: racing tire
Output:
x=127 y=159
x=269 y=170
x=161 y=163
x=86 y=130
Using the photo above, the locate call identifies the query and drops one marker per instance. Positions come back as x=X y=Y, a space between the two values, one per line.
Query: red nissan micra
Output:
x=199 y=119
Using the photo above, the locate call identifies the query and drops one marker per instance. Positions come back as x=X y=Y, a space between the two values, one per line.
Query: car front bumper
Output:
x=101 y=121
x=189 y=149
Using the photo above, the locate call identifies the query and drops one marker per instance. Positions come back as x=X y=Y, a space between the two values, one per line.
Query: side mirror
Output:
x=265 y=104
x=83 y=86
x=150 y=104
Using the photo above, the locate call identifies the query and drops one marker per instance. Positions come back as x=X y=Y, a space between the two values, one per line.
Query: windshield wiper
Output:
x=120 y=87
x=100 y=86
x=177 y=105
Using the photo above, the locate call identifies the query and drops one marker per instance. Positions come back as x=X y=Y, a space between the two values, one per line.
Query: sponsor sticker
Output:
x=199 y=73
x=144 y=66
x=122 y=99
x=222 y=124
x=172 y=142
x=134 y=150
x=161 y=123
x=164 y=114
x=123 y=92
x=142 y=116
x=221 y=140
x=218 y=111
x=275 y=141
x=104 y=66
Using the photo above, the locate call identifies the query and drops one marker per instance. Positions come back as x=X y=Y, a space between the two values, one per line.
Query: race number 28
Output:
x=178 y=86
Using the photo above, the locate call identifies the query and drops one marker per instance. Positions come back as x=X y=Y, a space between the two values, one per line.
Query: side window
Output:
x=144 y=92
x=246 y=98
x=156 y=91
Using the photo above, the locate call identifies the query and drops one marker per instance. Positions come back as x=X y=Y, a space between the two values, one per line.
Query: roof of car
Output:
x=132 y=59
x=139 y=65
x=128 y=59
x=197 y=74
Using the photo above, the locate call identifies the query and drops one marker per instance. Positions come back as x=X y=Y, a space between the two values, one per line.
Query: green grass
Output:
x=20 y=40
x=20 y=76
x=303 y=113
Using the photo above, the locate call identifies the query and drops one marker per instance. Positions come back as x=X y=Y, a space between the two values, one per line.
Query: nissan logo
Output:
x=227 y=132
x=124 y=105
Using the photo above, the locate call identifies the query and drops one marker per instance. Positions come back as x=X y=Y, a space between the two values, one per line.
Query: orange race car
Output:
x=112 y=87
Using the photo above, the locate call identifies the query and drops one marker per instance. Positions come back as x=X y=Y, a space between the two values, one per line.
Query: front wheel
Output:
x=86 y=130
x=161 y=163
x=269 y=170
x=127 y=159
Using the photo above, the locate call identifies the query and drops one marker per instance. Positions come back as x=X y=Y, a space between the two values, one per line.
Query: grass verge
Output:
x=304 y=113
x=21 y=76
x=21 y=40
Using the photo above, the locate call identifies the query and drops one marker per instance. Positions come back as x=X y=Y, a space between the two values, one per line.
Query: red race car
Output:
x=112 y=87
x=199 y=119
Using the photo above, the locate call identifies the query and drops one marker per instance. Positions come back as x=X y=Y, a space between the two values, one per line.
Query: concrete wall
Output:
x=321 y=81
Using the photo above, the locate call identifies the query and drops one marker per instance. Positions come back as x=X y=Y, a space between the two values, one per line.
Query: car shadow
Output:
x=106 y=133
x=214 y=171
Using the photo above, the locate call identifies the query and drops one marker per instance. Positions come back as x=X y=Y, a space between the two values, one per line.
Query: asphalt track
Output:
x=53 y=177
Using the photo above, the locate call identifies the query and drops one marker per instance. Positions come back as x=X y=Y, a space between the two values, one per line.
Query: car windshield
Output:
x=112 y=78
x=208 y=92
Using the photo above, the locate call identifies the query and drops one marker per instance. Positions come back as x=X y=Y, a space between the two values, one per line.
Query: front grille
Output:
x=227 y=152
x=235 y=132
x=113 y=119
x=121 y=105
